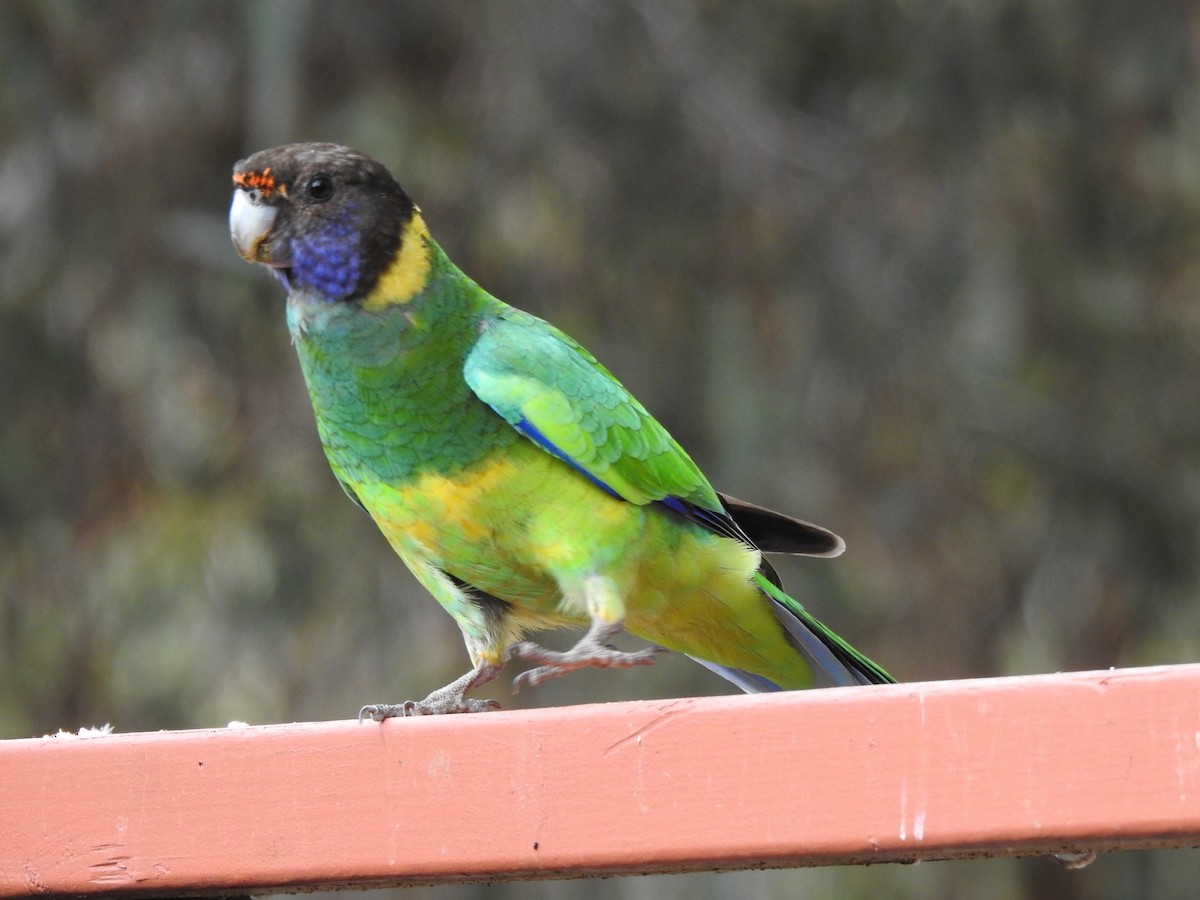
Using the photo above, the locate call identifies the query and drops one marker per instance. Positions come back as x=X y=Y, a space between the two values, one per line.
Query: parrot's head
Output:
x=326 y=218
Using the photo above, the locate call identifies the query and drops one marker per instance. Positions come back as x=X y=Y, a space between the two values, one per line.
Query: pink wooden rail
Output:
x=1088 y=761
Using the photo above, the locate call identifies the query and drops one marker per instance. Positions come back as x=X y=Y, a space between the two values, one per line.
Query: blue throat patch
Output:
x=327 y=261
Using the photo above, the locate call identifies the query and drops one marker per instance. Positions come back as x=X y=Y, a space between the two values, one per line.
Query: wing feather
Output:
x=555 y=393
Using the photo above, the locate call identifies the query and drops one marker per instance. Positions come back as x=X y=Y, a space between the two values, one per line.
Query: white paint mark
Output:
x=439 y=765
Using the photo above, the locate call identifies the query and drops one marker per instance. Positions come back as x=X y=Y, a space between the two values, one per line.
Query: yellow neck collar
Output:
x=406 y=276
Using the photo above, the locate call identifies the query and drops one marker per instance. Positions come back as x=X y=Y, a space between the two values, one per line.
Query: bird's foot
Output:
x=445 y=700
x=592 y=650
x=435 y=704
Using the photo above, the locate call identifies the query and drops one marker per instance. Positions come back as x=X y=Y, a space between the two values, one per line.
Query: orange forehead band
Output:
x=259 y=181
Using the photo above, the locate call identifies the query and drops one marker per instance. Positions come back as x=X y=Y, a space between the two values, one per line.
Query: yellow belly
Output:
x=525 y=527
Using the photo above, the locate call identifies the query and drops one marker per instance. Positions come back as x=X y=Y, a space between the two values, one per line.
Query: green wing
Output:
x=555 y=393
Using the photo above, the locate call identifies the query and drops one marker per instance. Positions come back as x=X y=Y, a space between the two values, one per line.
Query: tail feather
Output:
x=747 y=681
x=833 y=661
x=776 y=532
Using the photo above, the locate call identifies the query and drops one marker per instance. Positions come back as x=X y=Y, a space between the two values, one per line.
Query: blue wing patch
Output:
x=716 y=521
x=527 y=428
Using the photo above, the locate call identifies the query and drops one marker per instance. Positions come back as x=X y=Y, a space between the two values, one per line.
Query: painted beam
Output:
x=1028 y=765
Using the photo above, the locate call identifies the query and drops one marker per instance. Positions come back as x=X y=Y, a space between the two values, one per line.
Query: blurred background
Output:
x=924 y=272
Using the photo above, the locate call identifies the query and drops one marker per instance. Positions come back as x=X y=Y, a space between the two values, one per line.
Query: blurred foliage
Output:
x=925 y=272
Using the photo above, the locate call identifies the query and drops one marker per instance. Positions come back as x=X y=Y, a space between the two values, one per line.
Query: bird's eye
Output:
x=320 y=187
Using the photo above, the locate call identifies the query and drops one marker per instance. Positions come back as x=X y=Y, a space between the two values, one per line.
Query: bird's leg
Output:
x=449 y=699
x=607 y=612
x=592 y=650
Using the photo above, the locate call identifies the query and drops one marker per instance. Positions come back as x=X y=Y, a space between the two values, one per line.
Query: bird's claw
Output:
x=452 y=698
x=433 y=705
x=587 y=653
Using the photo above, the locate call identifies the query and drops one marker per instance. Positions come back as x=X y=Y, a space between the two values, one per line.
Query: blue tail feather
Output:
x=747 y=681
x=834 y=663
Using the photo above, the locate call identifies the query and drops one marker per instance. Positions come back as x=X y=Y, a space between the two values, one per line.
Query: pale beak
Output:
x=250 y=223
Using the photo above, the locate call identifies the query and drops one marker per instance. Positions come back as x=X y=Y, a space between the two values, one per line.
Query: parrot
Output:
x=521 y=483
